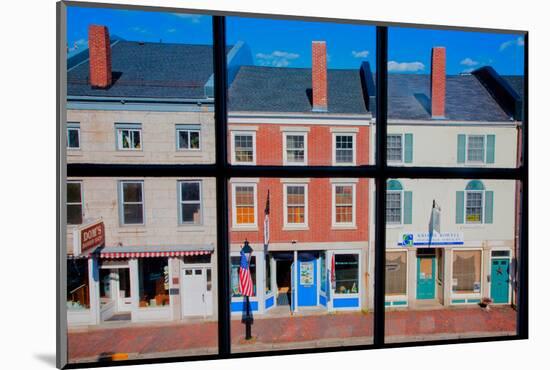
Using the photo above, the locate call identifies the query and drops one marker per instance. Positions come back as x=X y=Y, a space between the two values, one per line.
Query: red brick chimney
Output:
x=99 y=46
x=319 y=76
x=438 y=82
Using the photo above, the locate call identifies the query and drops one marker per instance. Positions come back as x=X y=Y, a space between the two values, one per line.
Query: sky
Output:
x=282 y=43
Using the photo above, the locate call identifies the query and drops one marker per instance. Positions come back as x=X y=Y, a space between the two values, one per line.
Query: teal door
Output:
x=425 y=278
x=500 y=280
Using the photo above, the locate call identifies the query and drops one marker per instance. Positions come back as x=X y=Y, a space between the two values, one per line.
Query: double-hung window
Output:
x=395 y=147
x=244 y=147
x=188 y=137
x=74 y=203
x=476 y=148
x=73 y=135
x=244 y=205
x=343 y=212
x=190 y=202
x=474 y=207
x=131 y=203
x=394 y=207
x=295 y=196
x=344 y=148
x=295 y=148
x=128 y=136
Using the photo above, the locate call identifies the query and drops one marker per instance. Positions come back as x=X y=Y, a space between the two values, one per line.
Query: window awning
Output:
x=152 y=251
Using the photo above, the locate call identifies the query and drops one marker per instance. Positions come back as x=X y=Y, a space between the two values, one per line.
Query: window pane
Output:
x=191 y=213
x=133 y=213
x=73 y=139
x=153 y=282
x=443 y=278
x=73 y=192
x=132 y=192
x=183 y=139
x=78 y=287
x=74 y=214
x=190 y=191
x=194 y=140
x=347 y=273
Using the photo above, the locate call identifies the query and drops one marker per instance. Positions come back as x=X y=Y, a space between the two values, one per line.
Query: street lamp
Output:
x=246 y=253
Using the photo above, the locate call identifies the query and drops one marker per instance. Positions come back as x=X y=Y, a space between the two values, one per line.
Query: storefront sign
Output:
x=306 y=273
x=89 y=236
x=431 y=239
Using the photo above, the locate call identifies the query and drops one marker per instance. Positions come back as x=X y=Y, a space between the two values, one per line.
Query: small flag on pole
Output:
x=266 y=222
x=245 y=280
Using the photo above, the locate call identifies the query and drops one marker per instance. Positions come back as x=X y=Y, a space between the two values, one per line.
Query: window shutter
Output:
x=407 y=219
x=488 y=207
x=408 y=148
x=461 y=149
x=459 y=207
x=490 y=148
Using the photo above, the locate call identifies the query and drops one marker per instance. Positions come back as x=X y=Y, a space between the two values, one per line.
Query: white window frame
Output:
x=181 y=202
x=401 y=196
x=481 y=275
x=402 y=160
x=482 y=216
x=293 y=226
x=354 y=147
x=233 y=151
x=468 y=160
x=189 y=131
x=121 y=202
x=351 y=224
x=359 y=274
x=81 y=203
x=130 y=127
x=285 y=154
x=253 y=226
x=76 y=127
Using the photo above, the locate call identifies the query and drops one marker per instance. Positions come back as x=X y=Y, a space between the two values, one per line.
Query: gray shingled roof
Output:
x=271 y=89
x=149 y=70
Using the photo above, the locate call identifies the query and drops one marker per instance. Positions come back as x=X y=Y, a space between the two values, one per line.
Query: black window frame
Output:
x=222 y=170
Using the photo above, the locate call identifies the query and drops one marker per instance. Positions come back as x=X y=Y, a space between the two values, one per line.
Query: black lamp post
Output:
x=247 y=250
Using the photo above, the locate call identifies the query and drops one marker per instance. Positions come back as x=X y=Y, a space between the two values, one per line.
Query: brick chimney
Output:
x=438 y=82
x=319 y=76
x=99 y=46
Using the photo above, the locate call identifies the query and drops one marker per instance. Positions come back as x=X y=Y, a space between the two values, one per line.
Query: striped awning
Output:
x=152 y=251
x=151 y=254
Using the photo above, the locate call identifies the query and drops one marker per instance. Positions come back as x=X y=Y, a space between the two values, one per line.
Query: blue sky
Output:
x=282 y=43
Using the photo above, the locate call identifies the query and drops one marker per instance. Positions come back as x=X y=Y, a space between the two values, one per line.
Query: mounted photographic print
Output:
x=242 y=184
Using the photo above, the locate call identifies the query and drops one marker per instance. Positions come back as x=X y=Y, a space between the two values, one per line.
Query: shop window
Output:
x=396 y=273
x=295 y=148
x=188 y=137
x=153 y=282
x=244 y=205
x=128 y=136
x=190 y=202
x=267 y=274
x=78 y=287
x=244 y=147
x=73 y=135
x=132 y=202
x=74 y=203
x=467 y=272
x=344 y=149
x=395 y=148
x=344 y=204
x=346 y=268
x=235 y=265
x=296 y=201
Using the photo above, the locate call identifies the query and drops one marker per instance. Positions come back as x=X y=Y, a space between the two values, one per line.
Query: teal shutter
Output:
x=408 y=148
x=461 y=149
x=459 y=207
x=490 y=148
x=408 y=203
x=488 y=207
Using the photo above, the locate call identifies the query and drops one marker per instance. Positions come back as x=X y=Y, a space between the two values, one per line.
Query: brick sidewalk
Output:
x=178 y=339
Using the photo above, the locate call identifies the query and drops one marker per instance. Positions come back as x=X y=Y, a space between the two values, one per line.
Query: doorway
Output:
x=115 y=295
x=284 y=286
x=196 y=291
x=500 y=280
x=425 y=274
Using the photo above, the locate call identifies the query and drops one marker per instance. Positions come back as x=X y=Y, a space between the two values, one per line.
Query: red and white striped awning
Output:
x=151 y=251
x=151 y=254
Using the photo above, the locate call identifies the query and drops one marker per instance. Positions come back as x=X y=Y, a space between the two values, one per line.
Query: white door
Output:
x=124 y=301
x=194 y=292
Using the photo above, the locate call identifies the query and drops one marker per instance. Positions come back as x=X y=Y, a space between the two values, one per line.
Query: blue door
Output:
x=307 y=282
x=425 y=278
x=500 y=280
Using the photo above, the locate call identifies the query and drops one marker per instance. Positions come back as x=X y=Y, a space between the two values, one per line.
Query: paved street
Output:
x=180 y=339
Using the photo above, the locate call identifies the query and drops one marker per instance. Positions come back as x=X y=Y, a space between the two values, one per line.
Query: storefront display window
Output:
x=235 y=263
x=153 y=282
x=467 y=271
x=78 y=287
x=347 y=273
x=396 y=273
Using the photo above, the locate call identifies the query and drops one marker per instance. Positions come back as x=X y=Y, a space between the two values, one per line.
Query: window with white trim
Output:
x=395 y=147
x=474 y=206
x=244 y=205
x=295 y=204
x=394 y=207
x=343 y=204
x=346 y=273
x=188 y=137
x=295 y=147
x=476 y=148
x=190 y=202
x=344 y=148
x=244 y=147
x=73 y=136
x=74 y=203
x=128 y=136
x=131 y=202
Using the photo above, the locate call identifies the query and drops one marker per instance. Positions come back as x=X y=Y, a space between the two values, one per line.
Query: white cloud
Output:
x=469 y=62
x=277 y=58
x=171 y=30
x=360 y=54
x=468 y=70
x=193 y=18
x=394 y=66
x=139 y=29
x=79 y=44
x=519 y=42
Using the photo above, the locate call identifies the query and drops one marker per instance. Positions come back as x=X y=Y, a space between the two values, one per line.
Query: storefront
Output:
x=301 y=280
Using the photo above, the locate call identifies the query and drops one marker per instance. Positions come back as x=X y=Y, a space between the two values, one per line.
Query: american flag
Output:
x=266 y=222
x=245 y=280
